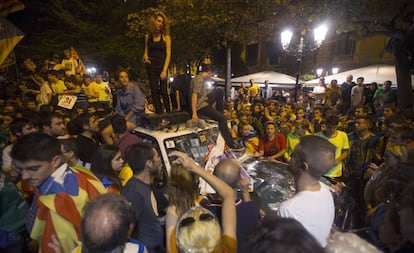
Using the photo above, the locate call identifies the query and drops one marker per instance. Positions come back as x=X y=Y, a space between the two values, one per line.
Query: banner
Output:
x=67 y=101
x=10 y=6
x=10 y=35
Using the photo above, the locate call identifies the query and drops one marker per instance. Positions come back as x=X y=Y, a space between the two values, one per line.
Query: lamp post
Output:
x=319 y=71
x=301 y=49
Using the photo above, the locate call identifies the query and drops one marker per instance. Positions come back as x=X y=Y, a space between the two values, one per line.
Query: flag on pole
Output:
x=10 y=35
x=10 y=6
x=81 y=67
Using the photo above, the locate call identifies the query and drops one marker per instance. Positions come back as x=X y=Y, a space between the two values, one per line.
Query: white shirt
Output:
x=315 y=210
x=357 y=93
x=45 y=90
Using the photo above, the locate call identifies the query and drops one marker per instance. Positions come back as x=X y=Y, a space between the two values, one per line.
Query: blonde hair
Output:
x=200 y=236
x=166 y=26
x=182 y=188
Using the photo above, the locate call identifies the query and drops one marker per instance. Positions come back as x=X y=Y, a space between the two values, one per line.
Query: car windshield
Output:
x=197 y=144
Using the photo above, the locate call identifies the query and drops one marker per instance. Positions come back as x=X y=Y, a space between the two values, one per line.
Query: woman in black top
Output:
x=157 y=56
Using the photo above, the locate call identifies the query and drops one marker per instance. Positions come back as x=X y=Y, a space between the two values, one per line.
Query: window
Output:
x=345 y=44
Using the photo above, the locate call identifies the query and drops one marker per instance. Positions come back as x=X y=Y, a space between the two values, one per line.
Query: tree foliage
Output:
x=198 y=27
x=110 y=32
x=96 y=29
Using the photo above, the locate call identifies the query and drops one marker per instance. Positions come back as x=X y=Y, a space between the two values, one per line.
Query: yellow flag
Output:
x=10 y=35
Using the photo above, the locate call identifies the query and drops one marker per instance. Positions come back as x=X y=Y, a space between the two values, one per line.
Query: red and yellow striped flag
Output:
x=10 y=6
x=10 y=35
x=81 y=68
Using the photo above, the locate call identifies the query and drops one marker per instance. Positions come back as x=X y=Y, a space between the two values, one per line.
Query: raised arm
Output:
x=228 y=218
x=267 y=114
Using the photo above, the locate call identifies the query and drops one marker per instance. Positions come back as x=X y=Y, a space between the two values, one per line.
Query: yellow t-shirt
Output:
x=59 y=87
x=104 y=91
x=92 y=88
x=254 y=90
x=340 y=140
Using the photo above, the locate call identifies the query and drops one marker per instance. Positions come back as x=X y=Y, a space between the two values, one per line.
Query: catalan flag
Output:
x=10 y=35
x=10 y=6
x=59 y=204
x=81 y=69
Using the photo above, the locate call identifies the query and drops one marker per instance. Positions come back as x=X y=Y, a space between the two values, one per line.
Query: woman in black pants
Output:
x=157 y=56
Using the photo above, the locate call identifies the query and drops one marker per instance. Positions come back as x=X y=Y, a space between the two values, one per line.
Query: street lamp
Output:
x=301 y=49
x=319 y=71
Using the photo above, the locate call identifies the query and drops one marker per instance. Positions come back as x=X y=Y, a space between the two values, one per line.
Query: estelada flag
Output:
x=10 y=35
x=81 y=66
x=10 y=6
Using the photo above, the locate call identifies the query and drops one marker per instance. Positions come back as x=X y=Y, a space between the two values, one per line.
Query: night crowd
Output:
x=76 y=179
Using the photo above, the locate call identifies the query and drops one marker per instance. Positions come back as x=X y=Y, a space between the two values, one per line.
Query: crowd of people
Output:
x=75 y=179
x=64 y=160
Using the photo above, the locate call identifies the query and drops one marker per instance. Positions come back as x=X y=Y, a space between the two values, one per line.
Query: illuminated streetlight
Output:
x=320 y=34
x=91 y=70
x=319 y=71
x=285 y=38
x=302 y=48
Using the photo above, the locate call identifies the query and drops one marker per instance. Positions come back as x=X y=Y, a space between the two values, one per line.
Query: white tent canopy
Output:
x=374 y=73
x=275 y=79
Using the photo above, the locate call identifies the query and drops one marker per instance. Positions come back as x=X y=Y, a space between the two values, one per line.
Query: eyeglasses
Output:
x=190 y=220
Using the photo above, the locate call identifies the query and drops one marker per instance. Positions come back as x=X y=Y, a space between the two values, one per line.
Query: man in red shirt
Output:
x=273 y=144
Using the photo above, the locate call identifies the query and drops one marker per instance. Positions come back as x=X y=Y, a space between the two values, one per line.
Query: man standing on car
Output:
x=201 y=105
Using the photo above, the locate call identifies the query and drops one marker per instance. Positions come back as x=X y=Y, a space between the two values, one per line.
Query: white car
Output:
x=194 y=141
x=271 y=180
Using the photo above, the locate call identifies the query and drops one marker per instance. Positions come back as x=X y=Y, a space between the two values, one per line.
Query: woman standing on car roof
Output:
x=157 y=54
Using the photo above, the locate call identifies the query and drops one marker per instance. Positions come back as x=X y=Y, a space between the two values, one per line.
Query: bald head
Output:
x=229 y=171
x=106 y=223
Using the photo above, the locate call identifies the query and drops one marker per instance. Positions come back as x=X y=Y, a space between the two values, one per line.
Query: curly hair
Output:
x=166 y=25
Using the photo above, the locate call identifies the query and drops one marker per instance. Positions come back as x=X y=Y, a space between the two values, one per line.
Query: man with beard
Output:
x=145 y=163
x=52 y=123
